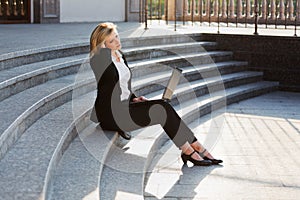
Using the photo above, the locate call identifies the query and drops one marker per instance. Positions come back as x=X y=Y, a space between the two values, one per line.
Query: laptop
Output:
x=172 y=83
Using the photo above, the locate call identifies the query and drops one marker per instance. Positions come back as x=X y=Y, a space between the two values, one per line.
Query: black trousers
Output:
x=148 y=113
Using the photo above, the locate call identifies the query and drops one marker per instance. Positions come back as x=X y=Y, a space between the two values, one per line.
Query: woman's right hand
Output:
x=102 y=45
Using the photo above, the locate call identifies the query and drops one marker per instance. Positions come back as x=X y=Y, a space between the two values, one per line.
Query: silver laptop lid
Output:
x=171 y=86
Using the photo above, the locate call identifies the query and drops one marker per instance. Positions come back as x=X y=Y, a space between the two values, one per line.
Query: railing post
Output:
x=219 y=7
x=193 y=11
x=167 y=11
x=200 y=10
x=255 y=16
x=281 y=10
x=298 y=10
x=231 y=9
x=183 y=12
x=146 y=14
x=175 y=16
x=264 y=9
x=296 y=13
x=224 y=8
x=273 y=9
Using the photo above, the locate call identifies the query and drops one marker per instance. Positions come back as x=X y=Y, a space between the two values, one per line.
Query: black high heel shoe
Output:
x=124 y=135
x=186 y=158
x=213 y=161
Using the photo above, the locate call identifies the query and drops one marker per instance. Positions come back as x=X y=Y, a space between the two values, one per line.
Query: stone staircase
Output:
x=50 y=150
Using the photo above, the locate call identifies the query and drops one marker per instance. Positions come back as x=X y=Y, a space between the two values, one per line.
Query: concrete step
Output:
x=152 y=133
x=140 y=68
x=44 y=163
x=166 y=168
x=155 y=81
x=126 y=166
x=192 y=89
x=27 y=165
x=24 y=166
x=85 y=157
x=17 y=115
x=8 y=133
x=159 y=40
x=149 y=52
x=24 y=57
x=17 y=79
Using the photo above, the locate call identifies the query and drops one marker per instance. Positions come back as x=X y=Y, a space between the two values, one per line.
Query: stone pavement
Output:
x=18 y=37
x=260 y=146
x=260 y=140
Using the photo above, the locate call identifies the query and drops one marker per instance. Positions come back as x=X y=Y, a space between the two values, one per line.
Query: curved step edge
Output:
x=18 y=58
x=36 y=111
x=69 y=135
x=22 y=82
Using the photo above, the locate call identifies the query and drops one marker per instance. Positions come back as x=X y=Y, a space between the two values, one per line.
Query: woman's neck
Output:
x=116 y=55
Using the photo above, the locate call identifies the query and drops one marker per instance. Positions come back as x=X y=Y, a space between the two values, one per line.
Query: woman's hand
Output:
x=139 y=99
x=103 y=45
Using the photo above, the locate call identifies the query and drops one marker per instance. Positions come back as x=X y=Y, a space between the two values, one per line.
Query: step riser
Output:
x=31 y=56
x=70 y=134
x=41 y=56
x=156 y=53
x=221 y=104
x=29 y=82
x=195 y=75
x=157 y=40
x=210 y=88
x=159 y=84
x=30 y=116
x=145 y=69
x=26 y=83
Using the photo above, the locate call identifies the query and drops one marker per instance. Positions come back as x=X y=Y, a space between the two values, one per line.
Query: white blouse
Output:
x=124 y=76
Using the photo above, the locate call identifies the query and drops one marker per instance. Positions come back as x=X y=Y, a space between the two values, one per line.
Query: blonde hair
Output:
x=99 y=34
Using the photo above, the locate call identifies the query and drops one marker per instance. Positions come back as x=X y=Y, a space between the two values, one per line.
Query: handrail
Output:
x=257 y=12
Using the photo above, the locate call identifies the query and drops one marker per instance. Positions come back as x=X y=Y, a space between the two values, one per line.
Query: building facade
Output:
x=61 y=11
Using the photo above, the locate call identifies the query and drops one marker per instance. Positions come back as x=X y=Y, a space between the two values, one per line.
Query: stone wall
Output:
x=278 y=57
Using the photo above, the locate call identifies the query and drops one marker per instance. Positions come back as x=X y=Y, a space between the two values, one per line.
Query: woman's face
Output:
x=113 y=41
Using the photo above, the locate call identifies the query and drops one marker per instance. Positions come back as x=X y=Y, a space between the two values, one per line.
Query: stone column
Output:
x=273 y=9
x=171 y=9
x=207 y=9
x=281 y=10
x=239 y=8
x=231 y=9
x=248 y=9
x=216 y=8
x=291 y=9
x=264 y=9
x=298 y=10
x=224 y=8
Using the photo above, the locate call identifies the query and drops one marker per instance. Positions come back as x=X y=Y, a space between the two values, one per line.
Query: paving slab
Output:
x=259 y=143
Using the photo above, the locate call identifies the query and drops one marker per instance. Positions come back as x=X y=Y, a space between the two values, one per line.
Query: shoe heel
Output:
x=184 y=159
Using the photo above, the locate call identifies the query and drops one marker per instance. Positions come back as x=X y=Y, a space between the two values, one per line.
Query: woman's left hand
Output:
x=139 y=99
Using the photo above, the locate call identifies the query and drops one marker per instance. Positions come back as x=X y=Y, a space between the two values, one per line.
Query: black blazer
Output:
x=108 y=87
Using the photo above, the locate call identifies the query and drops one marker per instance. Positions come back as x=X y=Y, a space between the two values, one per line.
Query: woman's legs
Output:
x=153 y=112
x=197 y=146
x=149 y=113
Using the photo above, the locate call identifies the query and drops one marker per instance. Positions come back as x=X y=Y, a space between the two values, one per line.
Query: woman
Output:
x=118 y=109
